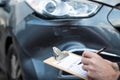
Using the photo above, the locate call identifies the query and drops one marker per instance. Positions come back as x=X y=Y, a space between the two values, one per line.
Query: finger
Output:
x=85 y=67
x=86 y=61
x=89 y=54
x=109 y=62
x=114 y=65
x=90 y=76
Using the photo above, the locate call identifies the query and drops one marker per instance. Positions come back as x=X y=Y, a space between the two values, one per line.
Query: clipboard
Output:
x=68 y=64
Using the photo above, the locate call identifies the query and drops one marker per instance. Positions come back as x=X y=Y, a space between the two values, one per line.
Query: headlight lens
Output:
x=64 y=8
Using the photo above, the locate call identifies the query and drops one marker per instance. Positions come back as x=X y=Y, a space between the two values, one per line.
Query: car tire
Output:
x=13 y=65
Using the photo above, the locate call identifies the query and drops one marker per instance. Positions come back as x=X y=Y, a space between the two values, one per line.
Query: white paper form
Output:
x=71 y=62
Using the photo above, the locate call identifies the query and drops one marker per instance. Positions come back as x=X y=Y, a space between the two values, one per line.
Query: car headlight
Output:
x=64 y=8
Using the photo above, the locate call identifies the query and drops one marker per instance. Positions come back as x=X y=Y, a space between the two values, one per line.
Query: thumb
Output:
x=113 y=64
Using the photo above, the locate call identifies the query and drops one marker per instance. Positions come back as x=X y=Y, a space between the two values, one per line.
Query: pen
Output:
x=98 y=52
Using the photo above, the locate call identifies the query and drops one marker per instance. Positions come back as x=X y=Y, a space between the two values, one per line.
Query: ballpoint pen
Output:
x=98 y=52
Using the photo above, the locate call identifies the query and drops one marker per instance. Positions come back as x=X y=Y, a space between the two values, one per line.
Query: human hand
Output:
x=113 y=64
x=98 y=68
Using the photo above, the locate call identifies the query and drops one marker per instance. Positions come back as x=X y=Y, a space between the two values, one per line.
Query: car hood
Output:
x=109 y=2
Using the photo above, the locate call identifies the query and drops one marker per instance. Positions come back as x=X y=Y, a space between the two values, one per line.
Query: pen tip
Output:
x=104 y=48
